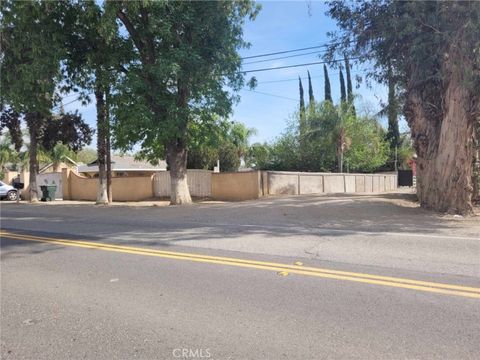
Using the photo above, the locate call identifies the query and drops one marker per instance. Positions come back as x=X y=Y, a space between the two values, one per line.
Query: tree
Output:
x=7 y=153
x=86 y=155
x=95 y=58
x=328 y=90
x=367 y=149
x=180 y=72
x=343 y=94
x=302 y=100
x=393 y=133
x=58 y=154
x=350 y=97
x=433 y=49
x=259 y=156
x=311 y=98
x=31 y=41
x=223 y=140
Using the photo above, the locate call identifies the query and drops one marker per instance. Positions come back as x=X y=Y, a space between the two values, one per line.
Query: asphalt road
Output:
x=364 y=286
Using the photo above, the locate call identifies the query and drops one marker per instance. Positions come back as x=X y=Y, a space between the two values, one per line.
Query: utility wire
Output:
x=288 y=51
x=273 y=95
x=312 y=77
x=68 y=103
x=296 y=65
x=284 y=57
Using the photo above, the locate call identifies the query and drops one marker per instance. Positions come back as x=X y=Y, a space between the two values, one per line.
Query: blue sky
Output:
x=281 y=26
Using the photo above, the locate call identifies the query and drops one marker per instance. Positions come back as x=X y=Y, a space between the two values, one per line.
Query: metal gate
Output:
x=405 y=178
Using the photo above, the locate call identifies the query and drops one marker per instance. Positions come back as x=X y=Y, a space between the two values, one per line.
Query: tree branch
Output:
x=131 y=30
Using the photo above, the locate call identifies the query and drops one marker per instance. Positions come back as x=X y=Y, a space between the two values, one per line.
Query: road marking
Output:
x=434 y=287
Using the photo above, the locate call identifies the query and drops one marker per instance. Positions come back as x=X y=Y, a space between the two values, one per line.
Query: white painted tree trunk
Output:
x=177 y=161
x=102 y=196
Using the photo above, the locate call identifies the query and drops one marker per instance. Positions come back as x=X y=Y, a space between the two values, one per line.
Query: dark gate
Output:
x=405 y=178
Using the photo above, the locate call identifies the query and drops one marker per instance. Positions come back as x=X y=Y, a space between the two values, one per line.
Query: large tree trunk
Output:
x=34 y=124
x=177 y=161
x=476 y=161
x=108 y=148
x=444 y=142
x=102 y=196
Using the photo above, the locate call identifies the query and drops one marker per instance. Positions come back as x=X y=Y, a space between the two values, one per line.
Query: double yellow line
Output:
x=433 y=287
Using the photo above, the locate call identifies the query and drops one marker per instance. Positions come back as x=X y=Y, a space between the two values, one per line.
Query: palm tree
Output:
x=58 y=154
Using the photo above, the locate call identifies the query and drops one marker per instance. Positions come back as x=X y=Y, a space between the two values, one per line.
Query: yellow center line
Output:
x=433 y=287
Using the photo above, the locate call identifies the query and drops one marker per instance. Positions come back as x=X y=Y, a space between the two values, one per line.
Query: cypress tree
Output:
x=349 y=86
x=349 y=81
x=343 y=95
x=302 y=101
x=311 y=99
x=393 y=133
x=328 y=90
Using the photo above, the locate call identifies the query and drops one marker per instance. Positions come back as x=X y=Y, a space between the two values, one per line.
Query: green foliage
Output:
x=343 y=94
x=222 y=140
x=411 y=36
x=180 y=72
x=86 y=155
x=259 y=156
x=7 y=153
x=405 y=151
x=229 y=160
x=32 y=46
x=311 y=98
x=10 y=119
x=328 y=89
x=69 y=129
x=365 y=149
x=302 y=100
x=285 y=152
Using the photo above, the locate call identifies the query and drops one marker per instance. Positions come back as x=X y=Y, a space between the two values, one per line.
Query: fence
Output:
x=296 y=183
x=235 y=186
x=131 y=188
x=199 y=183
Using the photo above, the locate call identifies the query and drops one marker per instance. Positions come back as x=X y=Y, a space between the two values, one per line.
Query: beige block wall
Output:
x=82 y=188
x=132 y=188
x=236 y=186
x=77 y=187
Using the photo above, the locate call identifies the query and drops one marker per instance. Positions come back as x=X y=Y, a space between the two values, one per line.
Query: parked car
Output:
x=8 y=192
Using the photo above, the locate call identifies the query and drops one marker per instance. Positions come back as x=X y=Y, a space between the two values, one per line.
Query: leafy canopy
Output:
x=185 y=68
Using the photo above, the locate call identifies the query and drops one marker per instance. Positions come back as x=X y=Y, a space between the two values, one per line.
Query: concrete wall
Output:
x=236 y=186
x=199 y=183
x=294 y=183
x=283 y=183
x=77 y=187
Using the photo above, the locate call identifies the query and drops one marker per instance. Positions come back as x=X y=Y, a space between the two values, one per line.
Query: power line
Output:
x=68 y=103
x=287 y=51
x=312 y=77
x=284 y=57
x=273 y=95
x=296 y=65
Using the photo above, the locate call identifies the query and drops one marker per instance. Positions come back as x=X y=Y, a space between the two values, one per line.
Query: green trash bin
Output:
x=48 y=192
